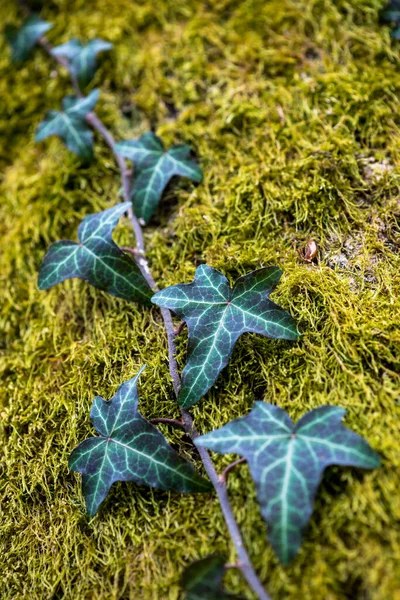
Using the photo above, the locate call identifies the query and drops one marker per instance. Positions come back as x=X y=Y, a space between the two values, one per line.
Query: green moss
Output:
x=294 y=110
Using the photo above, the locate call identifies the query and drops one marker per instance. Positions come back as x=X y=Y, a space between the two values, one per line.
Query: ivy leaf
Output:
x=217 y=315
x=287 y=462
x=391 y=14
x=82 y=59
x=154 y=167
x=70 y=125
x=23 y=39
x=96 y=259
x=202 y=580
x=392 y=11
x=129 y=448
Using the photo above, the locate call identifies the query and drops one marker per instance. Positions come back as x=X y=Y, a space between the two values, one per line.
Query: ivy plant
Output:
x=23 y=39
x=217 y=315
x=154 y=168
x=286 y=461
x=129 y=448
x=391 y=15
x=82 y=58
x=97 y=259
x=71 y=125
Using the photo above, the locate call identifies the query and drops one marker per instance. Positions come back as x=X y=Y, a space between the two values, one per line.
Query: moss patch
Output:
x=291 y=106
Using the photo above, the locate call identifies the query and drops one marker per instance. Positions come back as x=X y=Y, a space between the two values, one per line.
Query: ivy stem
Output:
x=174 y=422
x=224 y=475
x=219 y=482
x=180 y=328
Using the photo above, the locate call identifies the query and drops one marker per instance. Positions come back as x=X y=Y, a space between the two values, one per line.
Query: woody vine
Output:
x=286 y=460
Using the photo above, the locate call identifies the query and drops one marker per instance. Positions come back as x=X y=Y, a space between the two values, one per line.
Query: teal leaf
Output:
x=202 y=580
x=217 y=315
x=23 y=39
x=70 y=125
x=391 y=14
x=96 y=259
x=396 y=32
x=82 y=59
x=287 y=462
x=392 y=11
x=129 y=448
x=154 y=167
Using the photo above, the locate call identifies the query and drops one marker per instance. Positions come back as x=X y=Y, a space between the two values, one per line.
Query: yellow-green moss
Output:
x=293 y=107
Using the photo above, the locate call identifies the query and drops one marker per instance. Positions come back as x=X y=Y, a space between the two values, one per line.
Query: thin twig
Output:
x=244 y=563
x=235 y=565
x=130 y=250
x=174 y=422
x=224 y=475
x=180 y=328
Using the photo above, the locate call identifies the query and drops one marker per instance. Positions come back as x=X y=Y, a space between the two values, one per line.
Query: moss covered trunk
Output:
x=293 y=107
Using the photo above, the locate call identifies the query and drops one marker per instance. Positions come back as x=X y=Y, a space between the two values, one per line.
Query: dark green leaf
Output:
x=70 y=125
x=392 y=11
x=287 y=462
x=23 y=39
x=154 y=168
x=396 y=33
x=82 y=59
x=216 y=316
x=96 y=259
x=129 y=448
x=391 y=14
x=202 y=580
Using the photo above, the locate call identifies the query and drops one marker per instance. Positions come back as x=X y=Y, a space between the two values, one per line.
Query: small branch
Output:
x=179 y=329
x=174 y=422
x=224 y=475
x=130 y=250
x=235 y=565
x=244 y=563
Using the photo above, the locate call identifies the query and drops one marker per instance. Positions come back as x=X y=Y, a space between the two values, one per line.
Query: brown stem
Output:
x=174 y=422
x=244 y=563
x=179 y=329
x=130 y=250
x=224 y=475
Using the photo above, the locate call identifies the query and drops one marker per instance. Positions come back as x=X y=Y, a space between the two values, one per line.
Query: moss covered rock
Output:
x=293 y=108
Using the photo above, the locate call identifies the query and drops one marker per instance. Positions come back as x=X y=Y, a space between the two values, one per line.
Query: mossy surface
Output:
x=293 y=108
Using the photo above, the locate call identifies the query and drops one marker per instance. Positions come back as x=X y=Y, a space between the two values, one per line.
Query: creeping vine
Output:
x=286 y=460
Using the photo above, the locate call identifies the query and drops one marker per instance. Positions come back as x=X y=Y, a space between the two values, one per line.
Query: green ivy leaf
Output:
x=129 y=448
x=391 y=14
x=23 y=39
x=96 y=259
x=287 y=462
x=82 y=59
x=70 y=125
x=154 y=167
x=202 y=580
x=217 y=315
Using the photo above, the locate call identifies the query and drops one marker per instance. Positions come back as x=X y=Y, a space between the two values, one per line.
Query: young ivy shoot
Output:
x=286 y=460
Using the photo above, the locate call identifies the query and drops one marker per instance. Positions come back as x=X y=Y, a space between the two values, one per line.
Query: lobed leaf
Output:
x=154 y=167
x=287 y=462
x=96 y=259
x=70 y=125
x=202 y=580
x=82 y=58
x=217 y=316
x=129 y=448
x=391 y=14
x=23 y=39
